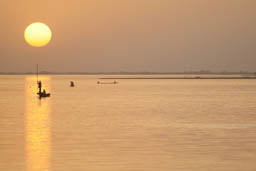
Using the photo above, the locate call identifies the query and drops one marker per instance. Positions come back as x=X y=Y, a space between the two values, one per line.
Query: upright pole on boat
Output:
x=37 y=73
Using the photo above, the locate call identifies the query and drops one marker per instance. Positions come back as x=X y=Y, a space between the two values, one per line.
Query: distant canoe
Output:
x=107 y=82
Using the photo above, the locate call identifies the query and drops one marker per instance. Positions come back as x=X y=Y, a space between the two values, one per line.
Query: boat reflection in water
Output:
x=37 y=125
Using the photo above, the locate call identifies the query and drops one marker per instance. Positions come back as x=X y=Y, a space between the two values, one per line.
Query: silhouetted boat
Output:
x=42 y=95
x=39 y=83
x=107 y=82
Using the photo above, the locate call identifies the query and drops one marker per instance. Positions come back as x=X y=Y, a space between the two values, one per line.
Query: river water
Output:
x=135 y=125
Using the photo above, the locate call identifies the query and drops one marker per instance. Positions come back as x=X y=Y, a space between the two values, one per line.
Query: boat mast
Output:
x=37 y=73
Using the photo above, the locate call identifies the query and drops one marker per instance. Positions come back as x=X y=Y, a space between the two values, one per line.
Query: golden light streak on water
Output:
x=37 y=127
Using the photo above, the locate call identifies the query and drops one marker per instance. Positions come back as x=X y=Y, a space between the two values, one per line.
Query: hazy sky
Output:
x=131 y=35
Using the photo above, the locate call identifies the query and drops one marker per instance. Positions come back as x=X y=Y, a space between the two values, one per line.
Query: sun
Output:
x=38 y=34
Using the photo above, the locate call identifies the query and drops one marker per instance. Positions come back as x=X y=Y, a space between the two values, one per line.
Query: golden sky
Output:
x=131 y=35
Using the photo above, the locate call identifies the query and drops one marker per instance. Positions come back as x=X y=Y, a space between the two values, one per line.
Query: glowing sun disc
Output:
x=38 y=34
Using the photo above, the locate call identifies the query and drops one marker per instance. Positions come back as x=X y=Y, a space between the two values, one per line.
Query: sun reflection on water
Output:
x=37 y=125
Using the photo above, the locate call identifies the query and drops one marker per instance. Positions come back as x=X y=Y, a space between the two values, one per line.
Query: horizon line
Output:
x=207 y=72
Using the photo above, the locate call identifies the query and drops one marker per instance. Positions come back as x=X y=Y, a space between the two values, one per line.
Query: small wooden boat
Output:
x=43 y=95
x=107 y=82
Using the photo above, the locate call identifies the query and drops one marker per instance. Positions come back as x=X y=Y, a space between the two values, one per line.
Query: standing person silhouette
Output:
x=39 y=86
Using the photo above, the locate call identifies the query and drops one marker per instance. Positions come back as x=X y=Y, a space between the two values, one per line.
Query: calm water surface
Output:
x=136 y=125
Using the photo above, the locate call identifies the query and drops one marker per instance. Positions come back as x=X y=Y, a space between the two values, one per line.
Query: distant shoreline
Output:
x=178 y=78
x=199 y=73
x=153 y=76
